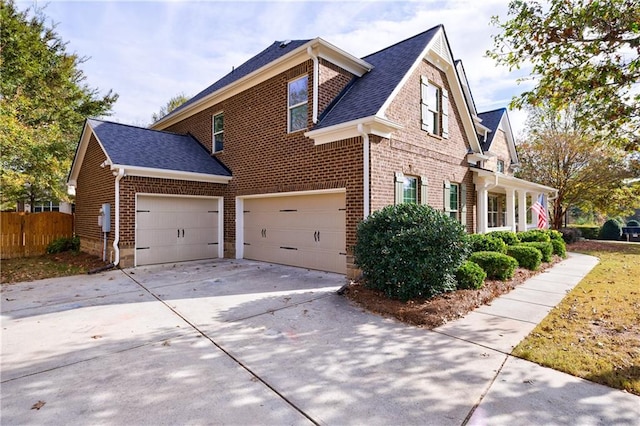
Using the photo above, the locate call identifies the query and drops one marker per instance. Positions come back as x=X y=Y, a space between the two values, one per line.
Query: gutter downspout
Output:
x=365 y=166
x=119 y=175
x=316 y=73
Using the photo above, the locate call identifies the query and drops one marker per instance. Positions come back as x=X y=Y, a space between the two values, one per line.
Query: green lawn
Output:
x=595 y=332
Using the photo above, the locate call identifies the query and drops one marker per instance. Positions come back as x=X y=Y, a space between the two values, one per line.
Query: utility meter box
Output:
x=104 y=219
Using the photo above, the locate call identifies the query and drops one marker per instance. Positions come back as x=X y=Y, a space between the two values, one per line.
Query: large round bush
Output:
x=410 y=250
x=611 y=230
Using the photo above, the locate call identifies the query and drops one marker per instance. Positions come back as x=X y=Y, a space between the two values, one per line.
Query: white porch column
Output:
x=511 y=209
x=522 y=210
x=483 y=215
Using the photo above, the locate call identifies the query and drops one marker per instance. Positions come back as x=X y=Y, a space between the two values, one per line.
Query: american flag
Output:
x=539 y=208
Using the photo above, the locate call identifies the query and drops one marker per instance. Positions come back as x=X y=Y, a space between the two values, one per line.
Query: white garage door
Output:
x=301 y=230
x=175 y=229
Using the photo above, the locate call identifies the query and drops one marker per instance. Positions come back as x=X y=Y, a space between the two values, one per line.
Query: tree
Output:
x=43 y=103
x=588 y=173
x=173 y=103
x=585 y=51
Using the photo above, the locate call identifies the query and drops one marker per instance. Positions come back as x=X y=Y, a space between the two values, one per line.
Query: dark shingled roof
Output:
x=138 y=147
x=270 y=54
x=490 y=119
x=366 y=95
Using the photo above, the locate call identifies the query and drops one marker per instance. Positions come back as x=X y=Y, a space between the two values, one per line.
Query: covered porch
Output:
x=504 y=202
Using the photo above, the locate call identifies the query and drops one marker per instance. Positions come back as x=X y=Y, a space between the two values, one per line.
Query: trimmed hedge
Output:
x=527 y=256
x=589 y=232
x=559 y=248
x=496 y=265
x=553 y=234
x=470 y=276
x=611 y=230
x=531 y=235
x=545 y=248
x=410 y=250
x=510 y=238
x=570 y=235
x=633 y=222
x=485 y=242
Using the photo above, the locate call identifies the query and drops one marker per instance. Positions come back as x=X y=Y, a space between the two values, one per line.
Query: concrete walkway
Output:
x=241 y=342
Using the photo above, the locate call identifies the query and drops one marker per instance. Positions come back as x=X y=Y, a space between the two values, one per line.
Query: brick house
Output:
x=281 y=158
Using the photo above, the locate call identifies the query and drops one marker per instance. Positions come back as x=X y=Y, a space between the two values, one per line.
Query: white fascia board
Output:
x=506 y=128
x=81 y=151
x=341 y=58
x=371 y=125
x=170 y=174
x=280 y=65
x=512 y=182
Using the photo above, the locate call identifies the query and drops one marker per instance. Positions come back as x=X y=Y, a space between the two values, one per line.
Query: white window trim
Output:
x=440 y=111
x=291 y=107
x=493 y=213
x=214 y=133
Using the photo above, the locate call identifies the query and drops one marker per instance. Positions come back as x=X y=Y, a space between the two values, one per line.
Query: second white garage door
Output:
x=175 y=229
x=301 y=230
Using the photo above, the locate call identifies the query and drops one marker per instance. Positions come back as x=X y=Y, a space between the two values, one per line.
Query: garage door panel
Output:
x=173 y=229
x=297 y=230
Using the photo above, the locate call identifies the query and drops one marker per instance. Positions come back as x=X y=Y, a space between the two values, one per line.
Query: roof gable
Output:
x=145 y=152
x=495 y=120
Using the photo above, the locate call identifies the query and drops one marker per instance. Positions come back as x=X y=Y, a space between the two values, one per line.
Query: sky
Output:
x=150 y=51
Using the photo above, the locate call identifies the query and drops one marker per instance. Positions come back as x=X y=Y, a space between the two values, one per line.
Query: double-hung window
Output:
x=434 y=108
x=410 y=190
x=297 y=100
x=455 y=201
x=500 y=167
x=492 y=211
x=218 y=132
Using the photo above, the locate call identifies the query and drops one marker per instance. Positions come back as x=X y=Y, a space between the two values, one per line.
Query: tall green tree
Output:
x=588 y=173
x=44 y=100
x=585 y=51
x=172 y=104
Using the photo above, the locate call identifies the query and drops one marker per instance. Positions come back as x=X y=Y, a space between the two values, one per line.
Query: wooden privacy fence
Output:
x=25 y=234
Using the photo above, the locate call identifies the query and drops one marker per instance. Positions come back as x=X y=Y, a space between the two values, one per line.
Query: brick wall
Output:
x=331 y=80
x=95 y=186
x=416 y=152
x=501 y=149
x=264 y=158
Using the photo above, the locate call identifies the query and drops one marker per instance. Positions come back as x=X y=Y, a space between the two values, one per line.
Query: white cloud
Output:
x=150 y=51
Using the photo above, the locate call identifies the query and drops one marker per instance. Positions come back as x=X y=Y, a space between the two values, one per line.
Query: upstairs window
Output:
x=298 y=97
x=500 y=168
x=218 y=132
x=434 y=108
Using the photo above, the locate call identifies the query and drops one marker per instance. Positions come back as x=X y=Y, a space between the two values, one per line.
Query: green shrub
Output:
x=553 y=234
x=510 y=238
x=540 y=235
x=470 y=276
x=633 y=223
x=64 y=244
x=611 y=230
x=545 y=248
x=570 y=235
x=590 y=232
x=484 y=242
x=527 y=256
x=559 y=248
x=410 y=250
x=496 y=265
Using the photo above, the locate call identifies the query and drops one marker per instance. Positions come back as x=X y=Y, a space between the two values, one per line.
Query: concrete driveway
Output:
x=242 y=342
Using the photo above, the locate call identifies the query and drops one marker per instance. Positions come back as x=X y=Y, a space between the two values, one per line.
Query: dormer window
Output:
x=434 y=108
x=298 y=97
x=218 y=132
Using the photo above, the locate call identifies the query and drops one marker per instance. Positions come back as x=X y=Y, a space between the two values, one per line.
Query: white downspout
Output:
x=316 y=74
x=365 y=166
x=119 y=175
